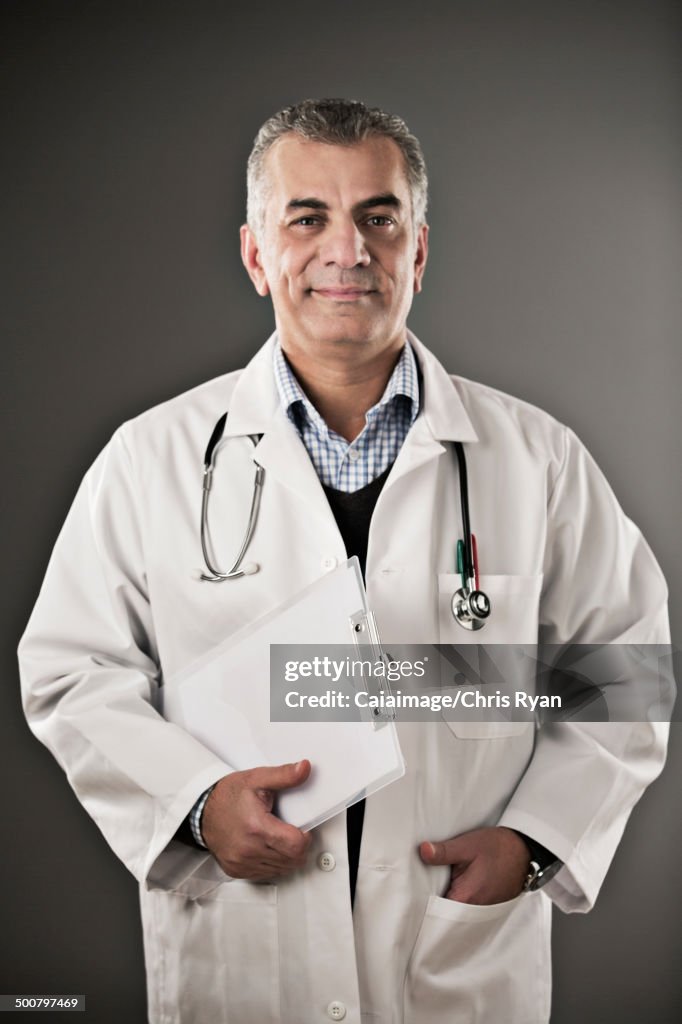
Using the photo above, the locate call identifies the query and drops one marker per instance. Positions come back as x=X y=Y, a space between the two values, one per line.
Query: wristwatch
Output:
x=543 y=864
x=538 y=876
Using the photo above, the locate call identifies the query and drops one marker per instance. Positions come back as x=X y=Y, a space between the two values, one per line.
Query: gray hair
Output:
x=337 y=122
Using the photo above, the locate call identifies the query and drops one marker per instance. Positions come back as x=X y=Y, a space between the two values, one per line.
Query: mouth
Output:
x=343 y=294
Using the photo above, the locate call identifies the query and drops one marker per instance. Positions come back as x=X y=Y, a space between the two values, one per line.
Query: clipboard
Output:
x=223 y=699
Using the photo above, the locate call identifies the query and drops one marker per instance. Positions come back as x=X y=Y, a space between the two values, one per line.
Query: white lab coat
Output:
x=119 y=612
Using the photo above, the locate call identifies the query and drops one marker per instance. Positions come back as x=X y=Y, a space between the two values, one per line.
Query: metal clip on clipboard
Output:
x=366 y=636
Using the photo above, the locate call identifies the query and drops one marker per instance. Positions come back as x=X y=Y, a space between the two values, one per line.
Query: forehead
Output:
x=297 y=168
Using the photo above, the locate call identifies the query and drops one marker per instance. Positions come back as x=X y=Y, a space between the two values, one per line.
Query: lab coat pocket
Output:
x=477 y=964
x=214 y=958
x=494 y=660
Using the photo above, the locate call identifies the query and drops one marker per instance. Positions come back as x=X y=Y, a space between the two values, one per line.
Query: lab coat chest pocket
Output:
x=511 y=629
x=477 y=964
x=217 y=957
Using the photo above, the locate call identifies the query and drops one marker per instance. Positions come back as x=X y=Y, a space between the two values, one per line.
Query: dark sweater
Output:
x=353 y=514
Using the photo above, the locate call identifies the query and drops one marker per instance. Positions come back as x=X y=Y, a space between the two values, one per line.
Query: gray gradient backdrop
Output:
x=552 y=135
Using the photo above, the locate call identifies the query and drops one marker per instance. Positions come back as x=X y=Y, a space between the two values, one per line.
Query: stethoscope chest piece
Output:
x=470 y=608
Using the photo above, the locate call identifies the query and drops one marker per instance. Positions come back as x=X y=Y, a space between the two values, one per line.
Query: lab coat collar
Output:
x=445 y=417
x=255 y=399
x=256 y=406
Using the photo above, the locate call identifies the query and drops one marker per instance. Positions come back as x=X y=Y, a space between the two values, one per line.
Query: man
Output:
x=412 y=907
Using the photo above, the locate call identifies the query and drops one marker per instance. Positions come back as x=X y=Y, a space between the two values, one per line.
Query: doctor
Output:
x=356 y=420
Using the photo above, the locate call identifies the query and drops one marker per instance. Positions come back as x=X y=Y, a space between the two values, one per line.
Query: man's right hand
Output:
x=241 y=831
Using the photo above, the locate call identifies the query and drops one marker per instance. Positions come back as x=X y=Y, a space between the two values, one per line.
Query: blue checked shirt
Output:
x=344 y=466
x=338 y=463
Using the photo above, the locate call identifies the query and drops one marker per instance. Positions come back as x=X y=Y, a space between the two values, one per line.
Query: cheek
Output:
x=290 y=273
x=403 y=280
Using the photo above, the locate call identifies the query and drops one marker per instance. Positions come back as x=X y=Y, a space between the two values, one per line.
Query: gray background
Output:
x=552 y=134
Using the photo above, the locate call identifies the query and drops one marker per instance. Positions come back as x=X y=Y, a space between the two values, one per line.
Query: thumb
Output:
x=282 y=776
x=437 y=853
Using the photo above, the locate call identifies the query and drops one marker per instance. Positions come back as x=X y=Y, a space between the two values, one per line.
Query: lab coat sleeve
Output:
x=602 y=585
x=90 y=685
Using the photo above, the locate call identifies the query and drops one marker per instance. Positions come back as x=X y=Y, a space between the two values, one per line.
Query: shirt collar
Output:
x=403 y=381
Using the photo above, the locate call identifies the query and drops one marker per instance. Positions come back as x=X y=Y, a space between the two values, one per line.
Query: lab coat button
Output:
x=336 y=1010
x=326 y=862
x=329 y=563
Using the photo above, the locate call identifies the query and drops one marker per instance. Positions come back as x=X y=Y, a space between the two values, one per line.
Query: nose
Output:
x=344 y=245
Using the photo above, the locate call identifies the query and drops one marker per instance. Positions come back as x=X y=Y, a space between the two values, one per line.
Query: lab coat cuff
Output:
x=173 y=866
x=571 y=889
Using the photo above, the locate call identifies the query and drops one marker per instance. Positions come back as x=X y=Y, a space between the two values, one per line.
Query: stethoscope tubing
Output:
x=470 y=606
x=468 y=567
x=214 y=574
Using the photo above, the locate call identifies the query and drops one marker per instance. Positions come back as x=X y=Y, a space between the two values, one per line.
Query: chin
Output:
x=345 y=331
x=345 y=338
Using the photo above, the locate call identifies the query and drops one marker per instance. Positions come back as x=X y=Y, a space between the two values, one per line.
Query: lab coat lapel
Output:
x=256 y=409
x=442 y=408
x=283 y=456
x=442 y=417
x=255 y=398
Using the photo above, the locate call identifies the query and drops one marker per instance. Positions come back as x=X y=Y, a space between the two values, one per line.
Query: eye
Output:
x=378 y=220
x=306 y=222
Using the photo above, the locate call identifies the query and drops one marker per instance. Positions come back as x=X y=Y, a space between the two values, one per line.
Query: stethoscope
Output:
x=238 y=570
x=470 y=605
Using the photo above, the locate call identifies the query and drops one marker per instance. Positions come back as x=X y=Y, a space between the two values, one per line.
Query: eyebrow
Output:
x=384 y=199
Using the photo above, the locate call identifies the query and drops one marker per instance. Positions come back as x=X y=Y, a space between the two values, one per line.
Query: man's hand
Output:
x=489 y=865
x=246 y=839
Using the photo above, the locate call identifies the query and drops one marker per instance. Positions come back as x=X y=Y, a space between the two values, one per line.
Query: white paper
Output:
x=224 y=701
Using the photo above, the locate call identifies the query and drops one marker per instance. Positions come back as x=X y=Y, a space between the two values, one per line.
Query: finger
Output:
x=272 y=864
x=446 y=852
x=481 y=887
x=286 y=840
x=288 y=863
x=264 y=830
x=275 y=868
x=282 y=776
x=286 y=849
x=254 y=871
x=274 y=859
x=253 y=856
x=465 y=887
x=271 y=837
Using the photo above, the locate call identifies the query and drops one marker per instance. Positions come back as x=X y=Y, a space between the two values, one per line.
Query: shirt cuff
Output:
x=195 y=818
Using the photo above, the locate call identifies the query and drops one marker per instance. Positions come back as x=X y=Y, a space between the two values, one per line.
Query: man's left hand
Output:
x=489 y=865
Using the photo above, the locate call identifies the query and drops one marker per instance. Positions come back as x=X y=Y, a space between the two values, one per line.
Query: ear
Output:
x=251 y=258
x=421 y=256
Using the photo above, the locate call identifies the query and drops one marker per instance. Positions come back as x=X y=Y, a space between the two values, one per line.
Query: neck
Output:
x=341 y=388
